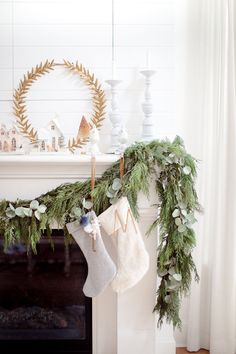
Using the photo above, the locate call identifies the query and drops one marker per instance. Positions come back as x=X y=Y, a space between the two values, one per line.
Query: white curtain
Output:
x=206 y=109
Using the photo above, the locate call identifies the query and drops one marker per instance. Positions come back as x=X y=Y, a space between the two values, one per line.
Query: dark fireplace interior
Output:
x=42 y=305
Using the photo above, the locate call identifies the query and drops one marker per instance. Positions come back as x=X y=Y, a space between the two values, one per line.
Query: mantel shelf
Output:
x=103 y=159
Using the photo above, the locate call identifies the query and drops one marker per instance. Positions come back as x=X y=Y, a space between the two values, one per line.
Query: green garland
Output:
x=174 y=171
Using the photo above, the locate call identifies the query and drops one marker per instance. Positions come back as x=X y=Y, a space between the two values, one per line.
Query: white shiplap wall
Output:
x=33 y=31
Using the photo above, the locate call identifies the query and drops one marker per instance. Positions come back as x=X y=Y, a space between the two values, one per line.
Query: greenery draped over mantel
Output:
x=174 y=172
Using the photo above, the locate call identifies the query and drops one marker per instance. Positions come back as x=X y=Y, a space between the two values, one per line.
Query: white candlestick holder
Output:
x=148 y=126
x=115 y=118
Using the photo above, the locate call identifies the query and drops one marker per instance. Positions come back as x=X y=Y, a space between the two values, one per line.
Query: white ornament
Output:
x=148 y=127
x=94 y=139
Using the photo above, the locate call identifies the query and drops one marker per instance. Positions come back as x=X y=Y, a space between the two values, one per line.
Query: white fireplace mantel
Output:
x=124 y=323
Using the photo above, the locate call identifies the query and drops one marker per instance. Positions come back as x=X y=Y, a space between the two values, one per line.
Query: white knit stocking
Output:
x=101 y=268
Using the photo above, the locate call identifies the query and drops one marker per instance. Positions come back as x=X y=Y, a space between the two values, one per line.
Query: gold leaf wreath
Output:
x=98 y=97
x=19 y=99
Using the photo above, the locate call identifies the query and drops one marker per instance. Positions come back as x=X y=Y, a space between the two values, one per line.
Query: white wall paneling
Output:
x=63 y=12
x=33 y=31
x=6 y=13
x=70 y=35
x=5 y=35
x=161 y=56
x=144 y=35
x=26 y=57
x=6 y=56
x=153 y=12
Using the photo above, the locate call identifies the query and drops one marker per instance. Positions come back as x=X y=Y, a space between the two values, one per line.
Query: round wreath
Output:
x=19 y=100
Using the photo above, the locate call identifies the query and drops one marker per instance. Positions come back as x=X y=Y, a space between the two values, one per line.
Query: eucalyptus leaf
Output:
x=42 y=208
x=34 y=205
x=159 y=152
x=11 y=207
x=37 y=215
x=20 y=212
x=167 y=299
x=178 y=221
x=116 y=185
x=88 y=204
x=175 y=213
x=10 y=213
x=76 y=211
x=176 y=160
x=109 y=194
x=182 y=205
x=173 y=281
x=177 y=276
x=171 y=271
x=187 y=251
x=172 y=287
x=181 y=161
x=182 y=228
x=189 y=225
x=111 y=190
x=28 y=212
x=187 y=170
x=169 y=160
x=191 y=219
x=190 y=216
x=163 y=273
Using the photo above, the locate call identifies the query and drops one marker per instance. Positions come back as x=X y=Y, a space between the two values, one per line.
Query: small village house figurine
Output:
x=50 y=138
x=10 y=139
x=57 y=139
x=43 y=140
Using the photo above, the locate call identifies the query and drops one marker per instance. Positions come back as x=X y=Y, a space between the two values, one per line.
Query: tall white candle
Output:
x=113 y=69
x=148 y=59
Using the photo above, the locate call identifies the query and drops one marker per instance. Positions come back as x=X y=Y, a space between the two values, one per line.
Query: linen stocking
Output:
x=132 y=257
x=101 y=268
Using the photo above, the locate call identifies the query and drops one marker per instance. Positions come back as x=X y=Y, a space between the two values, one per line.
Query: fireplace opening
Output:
x=42 y=305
